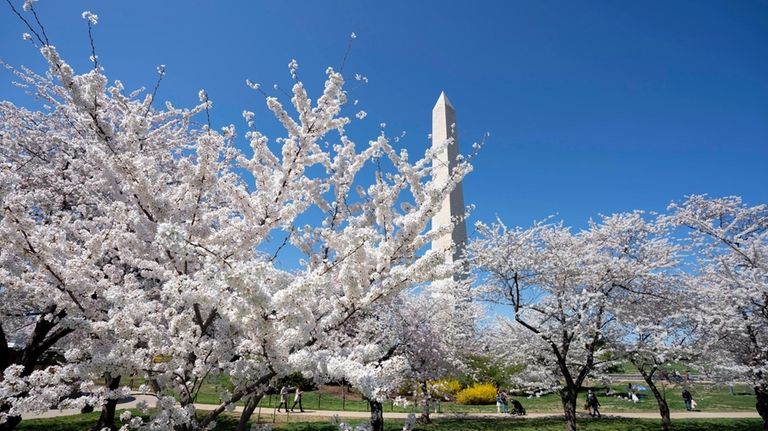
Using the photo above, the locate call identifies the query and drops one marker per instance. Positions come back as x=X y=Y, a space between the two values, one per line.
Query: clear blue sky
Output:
x=593 y=107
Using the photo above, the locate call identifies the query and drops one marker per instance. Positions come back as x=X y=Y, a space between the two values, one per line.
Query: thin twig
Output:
x=42 y=29
x=346 y=54
x=161 y=73
x=93 y=46
x=26 y=22
x=285 y=242
x=280 y=89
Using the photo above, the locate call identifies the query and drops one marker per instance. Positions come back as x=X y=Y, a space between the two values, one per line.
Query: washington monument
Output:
x=443 y=164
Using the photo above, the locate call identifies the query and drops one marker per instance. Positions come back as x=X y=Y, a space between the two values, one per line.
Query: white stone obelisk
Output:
x=453 y=243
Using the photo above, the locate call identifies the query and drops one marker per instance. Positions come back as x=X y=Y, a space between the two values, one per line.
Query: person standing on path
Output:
x=283 y=398
x=687 y=398
x=297 y=400
x=504 y=402
x=593 y=403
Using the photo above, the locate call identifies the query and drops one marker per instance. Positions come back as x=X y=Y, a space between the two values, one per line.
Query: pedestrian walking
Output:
x=283 y=398
x=297 y=400
x=688 y=399
x=593 y=404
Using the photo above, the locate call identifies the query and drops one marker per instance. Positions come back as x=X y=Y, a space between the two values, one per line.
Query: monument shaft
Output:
x=452 y=210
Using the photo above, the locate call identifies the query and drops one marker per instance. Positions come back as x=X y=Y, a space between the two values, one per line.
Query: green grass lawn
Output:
x=86 y=421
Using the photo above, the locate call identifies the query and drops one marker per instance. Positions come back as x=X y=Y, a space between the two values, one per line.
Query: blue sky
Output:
x=593 y=107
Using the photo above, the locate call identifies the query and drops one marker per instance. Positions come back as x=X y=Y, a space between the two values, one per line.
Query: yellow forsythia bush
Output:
x=479 y=393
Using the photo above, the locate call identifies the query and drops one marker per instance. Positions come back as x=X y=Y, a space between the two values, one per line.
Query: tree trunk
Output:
x=107 y=417
x=43 y=337
x=568 y=397
x=237 y=396
x=666 y=420
x=761 y=393
x=425 y=403
x=10 y=423
x=377 y=415
x=250 y=406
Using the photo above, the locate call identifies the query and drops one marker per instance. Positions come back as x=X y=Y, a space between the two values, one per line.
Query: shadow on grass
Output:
x=226 y=423
x=556 y=425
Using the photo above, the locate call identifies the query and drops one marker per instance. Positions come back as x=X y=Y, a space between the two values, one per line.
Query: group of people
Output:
x=503 y=401
x=593 y=405
x=284 y=399
x=631 y=393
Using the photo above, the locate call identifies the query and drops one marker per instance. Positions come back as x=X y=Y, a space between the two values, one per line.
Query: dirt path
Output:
x=150 y=400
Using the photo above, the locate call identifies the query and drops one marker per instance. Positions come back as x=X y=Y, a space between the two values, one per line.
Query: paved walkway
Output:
x=150 y=400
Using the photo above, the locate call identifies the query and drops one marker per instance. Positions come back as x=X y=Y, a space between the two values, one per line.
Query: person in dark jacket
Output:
x=593 y=404
x=687 y=398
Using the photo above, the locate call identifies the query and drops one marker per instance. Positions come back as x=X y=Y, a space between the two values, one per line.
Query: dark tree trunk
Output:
x=107 y=417
x=155 y=386
x=425 y=403
x=761 y=393
x=568 y=397
x=666 y=420
x=237 y=396
x=44 y=336
x=377 y=415
x=10 y=424
x=250 y=406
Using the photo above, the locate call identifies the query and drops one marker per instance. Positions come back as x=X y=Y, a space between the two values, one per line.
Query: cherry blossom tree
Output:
x=560 y=287
x=369 y=360
x=434 y=331
x=438 y=333
x=140 y=243
x=730 y=241
x=416 y=335
x=88 y=182
x=656 y=328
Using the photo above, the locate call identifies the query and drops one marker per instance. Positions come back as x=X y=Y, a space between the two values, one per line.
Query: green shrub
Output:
x=490 y=369
x=479 y=393
x=406 y=389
